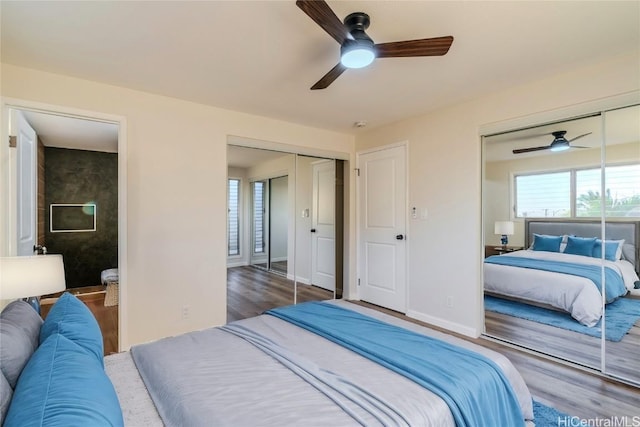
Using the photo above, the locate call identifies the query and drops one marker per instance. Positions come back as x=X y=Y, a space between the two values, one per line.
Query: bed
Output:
x=277 y=370
x=562 y=268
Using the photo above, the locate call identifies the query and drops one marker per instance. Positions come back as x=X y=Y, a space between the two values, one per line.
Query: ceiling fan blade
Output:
x=530 y=149
x=579 y=146
x=578 y=137
x=422 y=47
x=328 y=78
x=321 y=13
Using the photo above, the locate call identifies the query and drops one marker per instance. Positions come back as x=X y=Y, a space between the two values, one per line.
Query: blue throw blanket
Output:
x=475 y=388
x=614 y=287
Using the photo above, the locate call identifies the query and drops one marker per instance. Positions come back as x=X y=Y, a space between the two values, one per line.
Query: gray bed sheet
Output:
x=216 y=378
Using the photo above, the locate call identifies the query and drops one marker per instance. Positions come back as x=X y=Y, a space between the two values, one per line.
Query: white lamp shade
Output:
x=31 y=276
x=504 y=228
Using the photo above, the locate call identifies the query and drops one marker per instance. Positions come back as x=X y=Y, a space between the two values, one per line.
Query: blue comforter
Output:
x=474 y=387
x=614 y=284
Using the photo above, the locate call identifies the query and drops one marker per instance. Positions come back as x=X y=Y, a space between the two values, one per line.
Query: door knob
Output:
x=399 y=237
x=313 y=230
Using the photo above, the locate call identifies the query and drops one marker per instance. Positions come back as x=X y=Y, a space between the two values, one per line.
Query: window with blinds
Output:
x=258 y=217
x=544 y=195
x=576 y=193
x=233 y=217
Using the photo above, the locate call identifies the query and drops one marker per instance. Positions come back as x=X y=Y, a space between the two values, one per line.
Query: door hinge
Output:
x=357 y=171
x=358 y=282
x=13 y=141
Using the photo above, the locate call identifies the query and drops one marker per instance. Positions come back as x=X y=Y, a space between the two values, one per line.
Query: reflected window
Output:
x=623 y=191
x=549 y=195
x=258 y=217
x=545 y=195
x=233 y=217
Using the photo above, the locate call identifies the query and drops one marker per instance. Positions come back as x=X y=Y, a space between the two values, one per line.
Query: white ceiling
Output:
x=74 y=133
x=261 y=57
x=244 y=157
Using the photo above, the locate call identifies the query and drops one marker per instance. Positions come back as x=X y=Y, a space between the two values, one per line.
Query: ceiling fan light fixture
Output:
x=559 y=145
x=357 y=54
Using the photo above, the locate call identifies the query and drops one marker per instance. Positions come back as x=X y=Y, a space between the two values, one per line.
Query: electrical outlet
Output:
x=185 y=312
x=450 y=301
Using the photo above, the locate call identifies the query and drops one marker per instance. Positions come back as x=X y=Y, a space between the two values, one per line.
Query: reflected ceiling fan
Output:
x=559 y=143
x=357 y=50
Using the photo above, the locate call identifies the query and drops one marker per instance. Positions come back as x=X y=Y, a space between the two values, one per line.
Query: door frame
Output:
x=7 y=182
x=405 y=144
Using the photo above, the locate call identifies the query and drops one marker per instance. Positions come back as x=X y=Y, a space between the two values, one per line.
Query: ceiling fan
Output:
x=357 y=50
x=559 y=143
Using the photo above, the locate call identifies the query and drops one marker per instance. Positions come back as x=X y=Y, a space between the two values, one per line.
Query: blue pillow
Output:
x=72 y=318
x=612 y=249
x=543 y=242
x=580 y=246
x=63 y=385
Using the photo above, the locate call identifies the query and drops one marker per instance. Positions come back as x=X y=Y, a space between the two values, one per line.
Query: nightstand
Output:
x=499 y=250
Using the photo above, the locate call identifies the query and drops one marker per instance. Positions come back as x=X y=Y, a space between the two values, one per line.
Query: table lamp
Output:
x=30 y=277
x=505 y=229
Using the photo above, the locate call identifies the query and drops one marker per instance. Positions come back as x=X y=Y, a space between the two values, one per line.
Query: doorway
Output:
x=69 y=152
x=382 y=227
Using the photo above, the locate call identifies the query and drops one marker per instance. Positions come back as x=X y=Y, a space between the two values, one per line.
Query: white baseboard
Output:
x=302 y=280
x=450 y=326
x=238 y=263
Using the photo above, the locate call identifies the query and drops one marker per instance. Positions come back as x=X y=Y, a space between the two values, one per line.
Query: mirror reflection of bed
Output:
x=533 y=308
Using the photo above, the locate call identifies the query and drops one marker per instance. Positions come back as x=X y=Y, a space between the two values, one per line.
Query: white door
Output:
x=323 y=259
x=382 y=221
x=26 y=195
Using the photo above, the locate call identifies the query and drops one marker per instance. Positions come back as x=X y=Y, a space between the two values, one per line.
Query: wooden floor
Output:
x=568 y=389
x=251 y=290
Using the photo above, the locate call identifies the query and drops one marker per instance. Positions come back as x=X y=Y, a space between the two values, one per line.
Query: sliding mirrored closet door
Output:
x=622 y=216
x=531 y=202
x=316 y=225
x=553 y=206
x=286 y=219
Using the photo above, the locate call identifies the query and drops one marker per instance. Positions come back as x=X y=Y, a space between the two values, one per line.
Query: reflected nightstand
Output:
x=499 y=250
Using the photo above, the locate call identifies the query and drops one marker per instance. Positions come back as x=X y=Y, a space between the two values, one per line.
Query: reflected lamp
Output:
x=505 y=229
x=30 y=277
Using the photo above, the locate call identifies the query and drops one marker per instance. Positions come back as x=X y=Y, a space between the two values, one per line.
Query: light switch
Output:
x=424 y=213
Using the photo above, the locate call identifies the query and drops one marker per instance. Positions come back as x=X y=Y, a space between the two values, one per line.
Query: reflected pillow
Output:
x=580 y=246
x=542 y=242
x=612 y=249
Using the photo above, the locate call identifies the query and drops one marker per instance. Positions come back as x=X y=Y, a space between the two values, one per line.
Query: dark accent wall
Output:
x=79 y=176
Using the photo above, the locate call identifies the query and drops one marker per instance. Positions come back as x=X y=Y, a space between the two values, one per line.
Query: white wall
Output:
x=176 y=182
x=445 y=251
